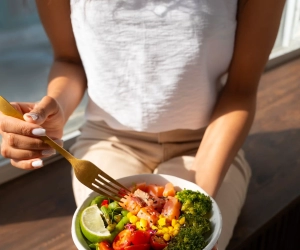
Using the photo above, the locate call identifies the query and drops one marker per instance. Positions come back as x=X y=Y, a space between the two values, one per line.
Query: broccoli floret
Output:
x=194 y=202
x=195 y=207
x=189 y=238
x=191 y=234
x=201 y=223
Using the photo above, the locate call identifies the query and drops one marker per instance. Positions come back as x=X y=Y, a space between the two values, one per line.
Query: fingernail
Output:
x=38 y=131
x=48 y=152
x=33 y=116
x=37 y=164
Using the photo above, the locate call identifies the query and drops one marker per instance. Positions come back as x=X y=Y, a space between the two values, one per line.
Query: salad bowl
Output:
x=179 y=184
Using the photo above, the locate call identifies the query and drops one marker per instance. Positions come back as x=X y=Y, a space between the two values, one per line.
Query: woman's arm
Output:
x=258 y=22
x=67 y=80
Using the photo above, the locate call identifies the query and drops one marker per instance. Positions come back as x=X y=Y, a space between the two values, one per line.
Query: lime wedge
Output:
x=92 y=225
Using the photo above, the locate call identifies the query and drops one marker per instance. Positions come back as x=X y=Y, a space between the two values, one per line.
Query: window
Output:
x=26 y=57
x=25 y=60
x=288 y=38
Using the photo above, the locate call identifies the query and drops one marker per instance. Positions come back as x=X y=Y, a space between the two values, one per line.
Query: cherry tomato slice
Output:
x=157 y=243
x=122 y=240
x=104 y=245
x=138 y=247
x=104 y=203
x=140 y=237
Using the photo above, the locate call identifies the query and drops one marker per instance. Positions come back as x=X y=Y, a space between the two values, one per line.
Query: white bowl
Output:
x=216 y=218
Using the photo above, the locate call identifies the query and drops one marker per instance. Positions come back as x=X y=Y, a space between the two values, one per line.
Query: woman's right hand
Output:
x=20 y=139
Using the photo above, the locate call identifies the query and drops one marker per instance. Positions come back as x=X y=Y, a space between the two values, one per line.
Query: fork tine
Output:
x=100 y=179
x=102 y=185
x=99 y=190
x=106 y=176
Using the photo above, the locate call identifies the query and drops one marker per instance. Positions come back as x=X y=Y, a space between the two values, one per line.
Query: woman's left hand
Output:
x=215 y=247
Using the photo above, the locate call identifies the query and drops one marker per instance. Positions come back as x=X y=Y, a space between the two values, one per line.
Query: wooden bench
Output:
x=270 y=219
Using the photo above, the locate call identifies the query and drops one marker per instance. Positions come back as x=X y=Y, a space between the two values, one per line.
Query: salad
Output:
x=151 y=217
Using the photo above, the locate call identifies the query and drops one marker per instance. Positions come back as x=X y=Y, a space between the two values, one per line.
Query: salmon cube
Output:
x=149 y=214
x=156 y=202
x=156 y=190
x=171 y=209
x=169 y=190
x=142 y=186
x=132 y=204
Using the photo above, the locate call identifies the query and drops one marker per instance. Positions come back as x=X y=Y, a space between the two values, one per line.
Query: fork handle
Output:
x=58 y=148
x=7 y=109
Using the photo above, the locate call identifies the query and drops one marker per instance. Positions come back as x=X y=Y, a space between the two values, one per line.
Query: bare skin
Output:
x=230 y=122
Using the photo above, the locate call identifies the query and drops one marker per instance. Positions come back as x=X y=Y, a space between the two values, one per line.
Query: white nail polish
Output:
x=33 y=116
x=38 y=131
x=37 y=164
x=48 y=152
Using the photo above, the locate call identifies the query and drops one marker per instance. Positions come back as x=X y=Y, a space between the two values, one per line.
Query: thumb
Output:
x=41 y=111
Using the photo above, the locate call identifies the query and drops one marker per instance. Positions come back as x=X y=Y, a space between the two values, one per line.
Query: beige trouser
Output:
x=124 y=153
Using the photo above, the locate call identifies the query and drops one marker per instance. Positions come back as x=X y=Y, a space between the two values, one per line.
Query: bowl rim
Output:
x=80 y=242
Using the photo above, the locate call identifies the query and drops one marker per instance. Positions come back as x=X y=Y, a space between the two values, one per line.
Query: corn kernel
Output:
x=165 y=230
x=162 y=221
x=138 y=225
x=167 y=237
x=129 y=215
x=177 y=226
x=182 y=221
x=175 y=232
x=154 y=227
x=133 y=219
x=143 y=223
x=173 y=223
x=159 y=232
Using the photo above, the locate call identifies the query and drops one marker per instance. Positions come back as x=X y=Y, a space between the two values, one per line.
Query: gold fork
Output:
x=86 y=172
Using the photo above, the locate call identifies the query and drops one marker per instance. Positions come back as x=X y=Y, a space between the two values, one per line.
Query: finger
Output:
x=17 y=126
x=23 y=107
x=27 y=164
x=215 y=247
x=23 y=154
x=42 y=110
x=24 y=142
x=11 y=140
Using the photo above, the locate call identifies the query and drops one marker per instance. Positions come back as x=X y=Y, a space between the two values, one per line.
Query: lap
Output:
x=113 y=161
x=118 y=159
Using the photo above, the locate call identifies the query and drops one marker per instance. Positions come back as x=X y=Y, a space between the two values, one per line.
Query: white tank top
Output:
x=154 y=65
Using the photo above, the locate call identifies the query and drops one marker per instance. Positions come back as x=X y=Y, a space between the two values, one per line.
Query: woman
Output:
x=172 y=89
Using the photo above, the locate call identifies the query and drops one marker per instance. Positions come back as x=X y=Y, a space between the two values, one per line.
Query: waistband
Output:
x=172 y=136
